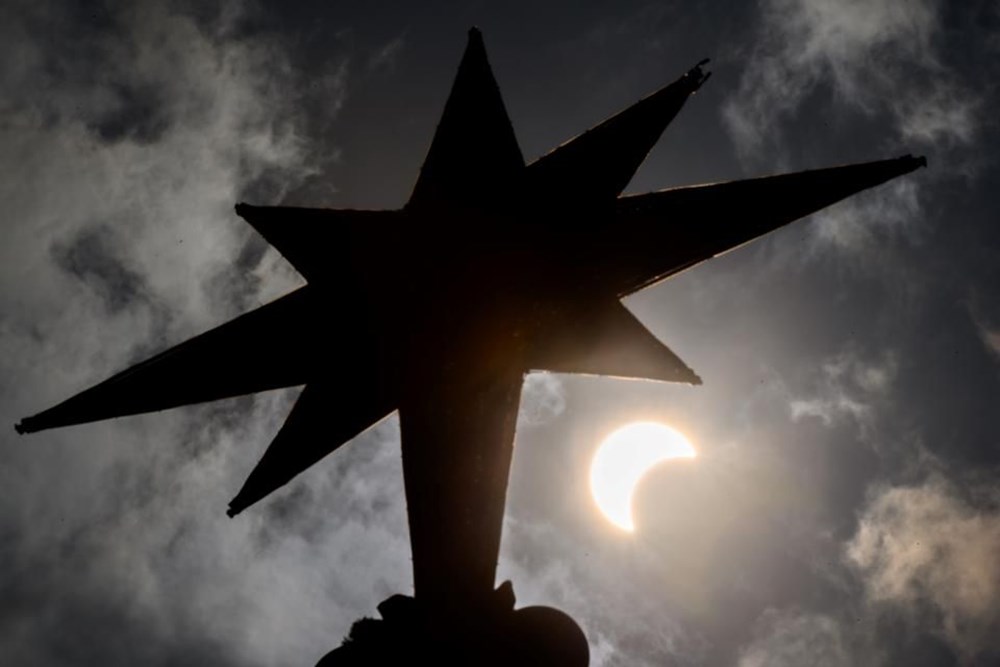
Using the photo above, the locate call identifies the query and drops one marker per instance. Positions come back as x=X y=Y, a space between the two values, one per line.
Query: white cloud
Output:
x=930 y=551
x=543 y=398
x=792 y=638
x=947 y=115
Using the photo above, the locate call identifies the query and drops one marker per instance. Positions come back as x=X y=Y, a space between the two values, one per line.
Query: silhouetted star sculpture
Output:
x=492 y=268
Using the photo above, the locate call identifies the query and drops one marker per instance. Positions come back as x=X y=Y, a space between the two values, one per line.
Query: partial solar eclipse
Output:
x=623 y=458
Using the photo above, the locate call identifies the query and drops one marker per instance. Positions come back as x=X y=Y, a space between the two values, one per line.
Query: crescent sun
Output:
x=622 y=460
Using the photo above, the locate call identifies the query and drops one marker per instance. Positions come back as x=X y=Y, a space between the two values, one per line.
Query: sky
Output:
x=844 y=508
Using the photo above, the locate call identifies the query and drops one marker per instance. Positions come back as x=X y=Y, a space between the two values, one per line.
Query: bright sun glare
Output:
x=623 y=458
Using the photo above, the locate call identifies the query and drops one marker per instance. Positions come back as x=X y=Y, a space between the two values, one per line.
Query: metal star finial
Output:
x=492 y=269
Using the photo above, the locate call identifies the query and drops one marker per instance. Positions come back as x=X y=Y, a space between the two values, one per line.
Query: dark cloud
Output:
x=136 y=113
x=128 y=135
x=92 y=258
x=874 y=58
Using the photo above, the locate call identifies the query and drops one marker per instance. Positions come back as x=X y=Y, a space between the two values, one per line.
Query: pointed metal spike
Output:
x=598 y=164
x=326 y=416
x=605 y=338
x=324 y=245
x=457 y=467
x=696 y=76
x=223 y=362
x=474 y=159
x=661 y=233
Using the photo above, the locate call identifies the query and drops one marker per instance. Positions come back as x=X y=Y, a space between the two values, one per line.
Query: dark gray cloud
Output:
x=128 y=132
x=92 y=258
x=879 y=58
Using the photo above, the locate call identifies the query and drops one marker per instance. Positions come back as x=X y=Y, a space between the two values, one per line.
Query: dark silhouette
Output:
x=493 y=268
x=497 y=635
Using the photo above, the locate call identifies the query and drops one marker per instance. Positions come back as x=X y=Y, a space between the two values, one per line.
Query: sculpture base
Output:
x=492 y=634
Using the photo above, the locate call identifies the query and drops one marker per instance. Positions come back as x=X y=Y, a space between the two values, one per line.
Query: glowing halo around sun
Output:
x=624 y=457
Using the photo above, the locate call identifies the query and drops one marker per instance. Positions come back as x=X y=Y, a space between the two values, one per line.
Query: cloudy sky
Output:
x=844 y=508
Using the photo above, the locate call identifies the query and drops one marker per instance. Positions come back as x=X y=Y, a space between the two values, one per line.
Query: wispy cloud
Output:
x=792 y=637
x=985 y=323
x=847 y=387
x=991 y=339
x=866 y=225
x=872 y=56
x=386 y=56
